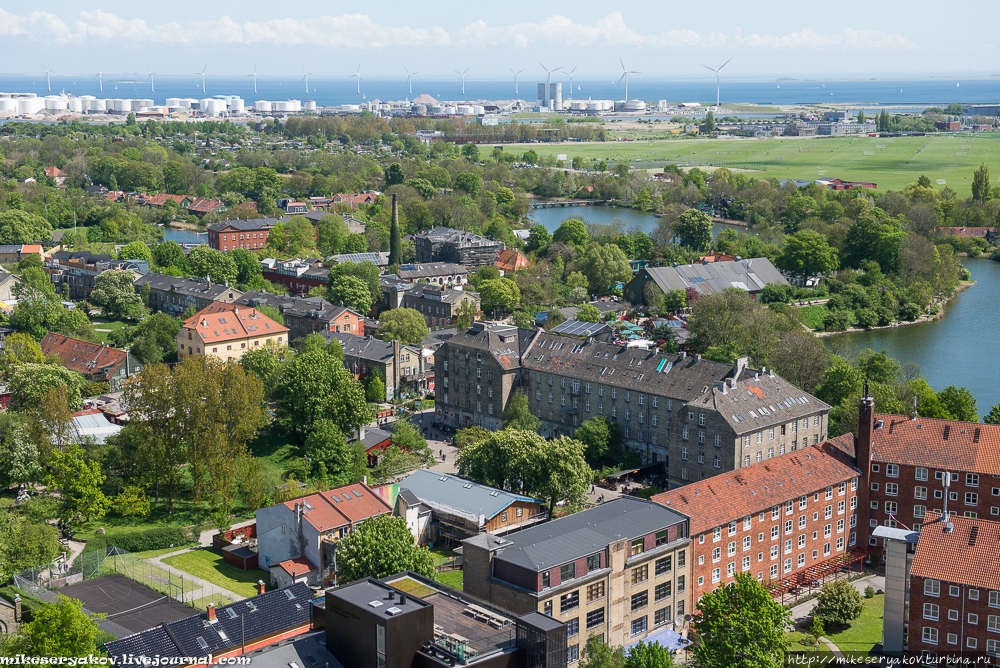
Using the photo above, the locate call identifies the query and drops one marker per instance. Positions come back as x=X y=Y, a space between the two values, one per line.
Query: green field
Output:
x=948 y=158
x=207 y=563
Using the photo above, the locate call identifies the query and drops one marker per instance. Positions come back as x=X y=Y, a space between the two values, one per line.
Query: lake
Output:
x=553 y=217
x=956 y=349
x=184 y=236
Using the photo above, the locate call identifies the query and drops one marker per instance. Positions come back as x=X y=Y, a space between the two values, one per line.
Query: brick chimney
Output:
x=210 y=612
x=395 y=209
x=866 y=432
x=260 y=587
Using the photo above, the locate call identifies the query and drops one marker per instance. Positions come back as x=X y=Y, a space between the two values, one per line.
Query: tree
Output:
x=156 y=338
x=366 y=271
x=588 y=313
x=649 y=655
x=326 y=444
x=19 y=348
x=79 y=482
x=501 y=294
x=316 y=386
x=59 y=629
x=741 y=626
x=981 y=184
x=485 y=273
x=21 y=227
x=600 y=437
x=206 y=261
x=470 y=152
x=518 y=414
x=993 y=417
x=861 y=116
x=18 y=453
x=378 y=547
x=694 y=230
x=960 y=403
x=873 y=236
x=405 y=325
x=170 y=254
x=839 y=603
x=136 y=250
x=24 y=544
x=248 y=270
x=807 y=253
x=538 y=239
x=30 y=382
x=466 y=314
x=350 y=291
x=331 y=233
x=605 y=267
x=468 y=183
x=394 y=175
x=375 y=388
x=710 y=122
x=598 y=654
x=115 y=292
x=572 y=233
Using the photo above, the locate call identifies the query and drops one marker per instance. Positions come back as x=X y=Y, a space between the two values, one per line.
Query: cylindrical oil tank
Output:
x=262 y=106
x=309 y=105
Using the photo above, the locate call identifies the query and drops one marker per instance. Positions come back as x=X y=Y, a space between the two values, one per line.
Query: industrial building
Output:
x=444 y=244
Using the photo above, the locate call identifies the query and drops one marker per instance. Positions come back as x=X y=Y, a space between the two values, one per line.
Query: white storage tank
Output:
x=187 y=102
x=8 y=104
x=262 y=106
x=436 y=109
x=294 y=105
x=464 y=110
x=351 y=108
x=236 y=105
x=635 y=105
x=30 y=105
x=173 y=102
x=578 y=105
x=75 y=105
x=450 y=110
x=309 y=105
x=55 y=103
x=419 y=109
x=595 y=105
x=96 y=106
x=142 y=102
x=121 y=106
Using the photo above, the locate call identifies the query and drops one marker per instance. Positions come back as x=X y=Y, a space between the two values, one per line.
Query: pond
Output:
x=553 y=217
x=956 y=349
x=184 y=236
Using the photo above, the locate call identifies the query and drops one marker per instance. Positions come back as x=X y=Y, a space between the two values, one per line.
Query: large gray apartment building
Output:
x=444 y=244
x=702 y=418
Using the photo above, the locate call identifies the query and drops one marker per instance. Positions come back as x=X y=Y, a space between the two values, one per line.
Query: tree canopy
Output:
x=378 y=547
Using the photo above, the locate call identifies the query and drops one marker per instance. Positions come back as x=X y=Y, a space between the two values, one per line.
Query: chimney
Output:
x=866 y=433
x=210 y=612
x=395 y=210
x=17 y=608
x=298 y=513
x=947 y=484
x=260 y=587
x=361 y=433
x=402 y=599
x=738 y=367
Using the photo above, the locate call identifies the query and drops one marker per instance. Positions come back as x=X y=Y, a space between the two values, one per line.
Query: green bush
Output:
x=150 y=539
x=837 y=321
x=96 y=544
x=869 y=592
x=41 y=508
x=909 y=311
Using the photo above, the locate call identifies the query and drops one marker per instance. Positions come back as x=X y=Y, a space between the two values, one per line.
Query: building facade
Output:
x=439 y=305
x=778 y=521
x=95 y=362
x=399 y=366
x=298 y=275
x=226 y=331
x=618 y=571
x=78 y=270
x=444 y=244
x=308 y=315
x=175 y=295
x=11 y=255
x=249 y=234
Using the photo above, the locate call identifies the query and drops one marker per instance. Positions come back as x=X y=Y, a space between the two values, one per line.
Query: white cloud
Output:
x=359 y=31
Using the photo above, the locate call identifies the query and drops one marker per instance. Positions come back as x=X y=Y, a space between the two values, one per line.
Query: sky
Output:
x=884 y=38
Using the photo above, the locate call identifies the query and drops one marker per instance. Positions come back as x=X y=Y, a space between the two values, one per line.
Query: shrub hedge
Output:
x=140 y=541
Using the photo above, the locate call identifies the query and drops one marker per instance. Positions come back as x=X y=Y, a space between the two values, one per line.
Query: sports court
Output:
x=127 y=603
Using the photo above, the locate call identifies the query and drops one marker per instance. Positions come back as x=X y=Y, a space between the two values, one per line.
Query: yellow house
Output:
x=227 y=331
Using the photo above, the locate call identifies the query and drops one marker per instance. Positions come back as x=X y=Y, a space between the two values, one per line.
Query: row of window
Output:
x=775 y=513
x=921 y=473
x=930 y=636
x=933 y=588
x=775 y=568
x=731 y=550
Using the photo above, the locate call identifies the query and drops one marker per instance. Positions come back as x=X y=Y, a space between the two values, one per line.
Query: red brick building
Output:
x=955 y=590
x=788 y=520
x=231 y=234
x=909 y=460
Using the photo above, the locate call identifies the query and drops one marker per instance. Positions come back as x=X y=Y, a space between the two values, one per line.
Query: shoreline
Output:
x=184 y=226
x=964 y=285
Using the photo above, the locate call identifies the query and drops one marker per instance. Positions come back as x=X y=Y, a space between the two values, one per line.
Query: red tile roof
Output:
x=206 y=205
x=942 y=444
x=83 y=356
x=340 y=507
x=160 y=199
x=231 y=322
x=31 y=248
x=510 y=260
x=53 y=172
x=295 y=567
x=354 y=198
x=721 y=499
x=967 y=555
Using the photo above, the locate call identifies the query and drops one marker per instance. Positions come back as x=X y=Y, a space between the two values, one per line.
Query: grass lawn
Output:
x=147 y=554
x=862 y=634
x=207 y=564
x=451 y=579
x=890 y=162
x=101 y=325
x=442 y=555
x=812 y=316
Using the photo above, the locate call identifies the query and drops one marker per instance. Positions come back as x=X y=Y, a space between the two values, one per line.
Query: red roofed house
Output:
x=510 y=260
x=716 y=257
x=988 y=233
x=95 y=362
x=55 y=173
x=160 y=199
x=354 y=199
x=227 y=331
x=955 y=590
x=787 y=521
x=303 y=533
x=200 y=207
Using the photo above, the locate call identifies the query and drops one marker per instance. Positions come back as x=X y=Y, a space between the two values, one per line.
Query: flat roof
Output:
x=374 y=597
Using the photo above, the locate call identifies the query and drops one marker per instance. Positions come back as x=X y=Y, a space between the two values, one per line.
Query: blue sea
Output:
x=327 y=91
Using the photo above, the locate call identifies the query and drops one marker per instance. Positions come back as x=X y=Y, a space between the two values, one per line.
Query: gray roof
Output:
x=304 y=651
x=580 y=328
x=506 y=342
x=252 y=224
x=94 y=426
x=410 y=272
x=458 y=237
x=365 y=347
x=302 y=307
x=437 y=294
x=586 y=532
x=447 y=492
x=751 y=275
x=378 y=259
x=199 y=287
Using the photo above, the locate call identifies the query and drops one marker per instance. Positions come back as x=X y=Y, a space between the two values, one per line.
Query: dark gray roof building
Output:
x=708 y=278
x=173 y=294
x=444 y=244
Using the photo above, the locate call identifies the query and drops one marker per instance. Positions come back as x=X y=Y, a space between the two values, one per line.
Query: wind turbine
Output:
x=548 y=79
x=718 y=83
x=202 y=73
x=305 y=78
x=357 y=75
x=570 y=73
x=409 y=78
x=152 y=86
x=625 y=74
x=515 y=78
x=100 y=77
x=254 y=75
x=462 y=74
x=48 y=81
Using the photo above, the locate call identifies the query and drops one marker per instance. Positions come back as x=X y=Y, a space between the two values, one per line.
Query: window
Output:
x=993 y=623
x=932 y=587
x=788 y=527
x=746 y=543
x=595 y=592
x=919 y=511
x=774 y=567
x=774 y=532
x=802 y=541
x=788 y=546
x=662 y=616
x=746 y=563
x=680 y=579
x=891 y=489
x=874 y=486
x=953 y=615
x=890 y=507
x=971 y=499
x=716 y=554
x=994 y=597
x=548 y=608
x=569 y=601
x=892 y=470
x=662 y=591
x=952 y=639
x=972 y=480
x=640 y=600
x=684 y=452
x=973 y=619
x=717 y=534
x=595 y=618
x=788 y=565
x=567 y=572
x=637 y=546
x=573 y=651
x=919 y=492
x=828 y=512
x=640 y=574
x=931 y=611
x=593 y=562
x=921 y=473
x=731 y=549
x=803 y=501
x=639 y=625
x=545 y=580
x=775 y=512
x=716 y=575
x=774 y=552
x=664 y=565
